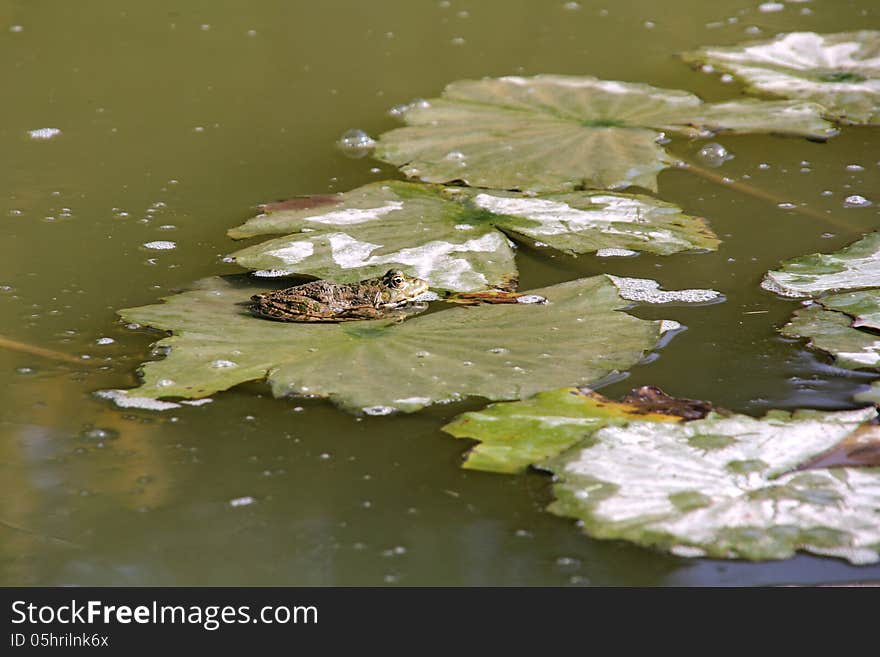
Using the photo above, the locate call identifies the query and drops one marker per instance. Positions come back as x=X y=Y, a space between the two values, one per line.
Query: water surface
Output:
x=175 y=120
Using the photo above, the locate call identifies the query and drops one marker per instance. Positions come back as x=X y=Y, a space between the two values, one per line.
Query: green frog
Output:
x=325 y=301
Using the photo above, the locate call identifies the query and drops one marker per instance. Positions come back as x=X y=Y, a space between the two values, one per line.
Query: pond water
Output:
x=176 y=120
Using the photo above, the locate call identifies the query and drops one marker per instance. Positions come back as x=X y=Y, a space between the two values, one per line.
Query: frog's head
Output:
x=397 y=288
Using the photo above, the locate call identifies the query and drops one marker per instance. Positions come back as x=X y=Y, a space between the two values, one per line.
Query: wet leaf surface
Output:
x=840 y=71
x=560 y=133
x=456 y=238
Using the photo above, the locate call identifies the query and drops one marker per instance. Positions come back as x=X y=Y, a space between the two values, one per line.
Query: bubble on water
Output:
x=379 y=410
x=43 y=134
x=164 y=383
x=457 y=41
x=568 y=562
x=571 y=6
x=242 y=501
x=467 y=363
x=770 y=7
x=726 y=78
x=355 y=143
x=199 y=128
x=103 y=341
x=204 y=27
x=454 y=155
x=324 y=456
x=160 y=245
x=649 y=25
x=16 y=28
x=856 y=201
x=752 y=29
x=423 y=354
x=854 y=167
x=499 y=350
x=714 y=155
x=167 y=227
x=763 y=166
x=786 y=206
x=25 y=370
x=251 y=33
x=99 y=434
x=396 y=551
x=223 y=364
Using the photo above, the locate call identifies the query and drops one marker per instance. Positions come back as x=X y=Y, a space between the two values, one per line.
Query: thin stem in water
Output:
x=763 y=195
x=15 y=345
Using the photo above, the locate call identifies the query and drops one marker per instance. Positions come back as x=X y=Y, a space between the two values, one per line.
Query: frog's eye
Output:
x=397 y=282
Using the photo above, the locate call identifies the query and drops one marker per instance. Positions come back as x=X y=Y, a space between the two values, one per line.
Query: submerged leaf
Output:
x=840 y=71
x=554 y=132
x=680 y=487
x=853 y=267
x=449 y=235
x=377 y=367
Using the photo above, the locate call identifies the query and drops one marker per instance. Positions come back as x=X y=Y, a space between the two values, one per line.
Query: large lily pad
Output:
x=553 y=132
x=450 y=235
x=840 y=71
x=495 y=351
x=723 y=485
x=853 y=267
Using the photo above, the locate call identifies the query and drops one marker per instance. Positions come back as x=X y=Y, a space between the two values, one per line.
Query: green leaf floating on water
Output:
x=836 y=323
x=450 y=235
x=853 y=267
x=725 y=486
x=833 y=332
x=840 y=71
x=495 y=351
x=515 y=435
x=560 y=133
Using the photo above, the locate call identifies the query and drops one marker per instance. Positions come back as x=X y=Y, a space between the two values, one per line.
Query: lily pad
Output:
x=495 y=351
x=675 y=474
x=853 y=267
x=560 y=133
x=455 y=237
x=840 y=71
x=514 y=435
x=833 y=332
x=725 y=487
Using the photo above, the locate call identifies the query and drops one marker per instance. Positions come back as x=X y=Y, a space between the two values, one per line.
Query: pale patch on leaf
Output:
x=839 y=71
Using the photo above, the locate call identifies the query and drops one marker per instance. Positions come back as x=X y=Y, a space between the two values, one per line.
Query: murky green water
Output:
x=176 y=119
